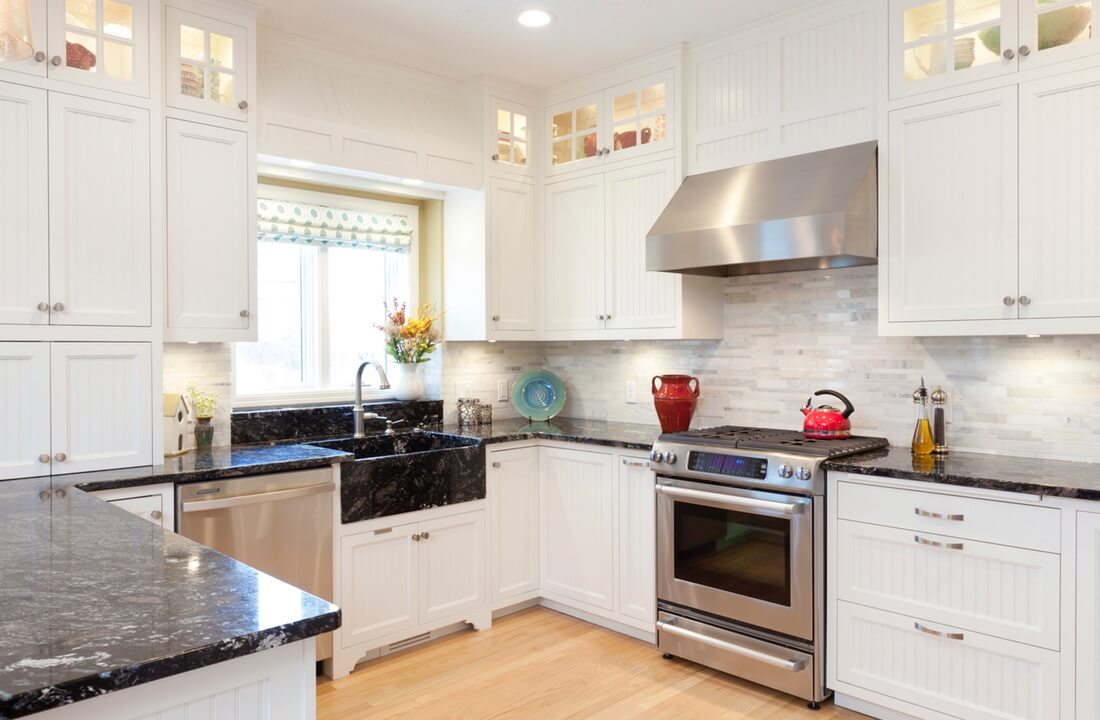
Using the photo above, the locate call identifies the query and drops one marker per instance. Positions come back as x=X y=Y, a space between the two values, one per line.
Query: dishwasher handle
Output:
x=272 y=496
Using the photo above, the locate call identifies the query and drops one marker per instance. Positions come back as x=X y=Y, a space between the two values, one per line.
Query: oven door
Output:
x=739 y=554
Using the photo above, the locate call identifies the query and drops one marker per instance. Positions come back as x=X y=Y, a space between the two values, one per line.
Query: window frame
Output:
x=322 y=395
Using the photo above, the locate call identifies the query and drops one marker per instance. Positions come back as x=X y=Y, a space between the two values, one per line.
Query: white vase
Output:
x=408 y=382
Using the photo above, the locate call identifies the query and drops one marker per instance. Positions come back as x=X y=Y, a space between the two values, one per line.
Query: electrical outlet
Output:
x=502 y=390
x=631 y=392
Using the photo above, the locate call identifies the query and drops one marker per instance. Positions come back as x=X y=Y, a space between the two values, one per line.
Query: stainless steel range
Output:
x=741 y=552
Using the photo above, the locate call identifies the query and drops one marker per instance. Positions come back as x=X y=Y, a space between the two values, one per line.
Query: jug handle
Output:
x=653 y=384
x=694 y=390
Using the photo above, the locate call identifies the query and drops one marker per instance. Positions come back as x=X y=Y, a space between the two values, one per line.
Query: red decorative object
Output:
x=826 y=422
x=78 y=56
x=675 y=397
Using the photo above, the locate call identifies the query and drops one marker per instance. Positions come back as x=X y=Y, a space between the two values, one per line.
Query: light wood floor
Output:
x=539 y=664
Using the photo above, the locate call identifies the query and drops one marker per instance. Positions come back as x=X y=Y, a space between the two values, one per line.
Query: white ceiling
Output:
x=462 y=39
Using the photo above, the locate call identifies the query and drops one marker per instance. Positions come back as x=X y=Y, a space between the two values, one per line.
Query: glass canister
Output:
x=468 y=412
x=485 y=414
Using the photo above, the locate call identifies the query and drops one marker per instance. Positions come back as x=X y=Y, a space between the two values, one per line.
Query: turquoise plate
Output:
x=538 y=395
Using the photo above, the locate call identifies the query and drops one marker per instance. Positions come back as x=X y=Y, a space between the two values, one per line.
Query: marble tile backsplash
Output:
x=210 y=366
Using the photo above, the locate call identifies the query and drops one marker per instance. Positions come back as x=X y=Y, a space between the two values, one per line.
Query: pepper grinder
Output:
x=939 y=421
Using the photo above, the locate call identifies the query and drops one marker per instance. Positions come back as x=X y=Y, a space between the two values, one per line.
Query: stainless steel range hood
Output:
x=798 y=213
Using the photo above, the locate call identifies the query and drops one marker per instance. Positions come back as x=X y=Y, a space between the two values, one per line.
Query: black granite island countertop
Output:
x=93 y=600
x=991 y=472
x=631 y=436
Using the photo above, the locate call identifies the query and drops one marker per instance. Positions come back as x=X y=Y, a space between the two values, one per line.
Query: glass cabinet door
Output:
x=205 y=65
x=640 y=116
x=1055 y=30
x=100 y=42
x=511 y=139
x=575 y=132
x=943 y=42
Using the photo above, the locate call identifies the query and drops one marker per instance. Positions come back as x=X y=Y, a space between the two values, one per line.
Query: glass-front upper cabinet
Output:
x=102 y=43
x=1056 y=30
x=576 y=132
x=640 y=116
x=511 y=139
x=205 y=65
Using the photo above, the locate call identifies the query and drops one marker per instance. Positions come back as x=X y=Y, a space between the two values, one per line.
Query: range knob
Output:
x=656 y=456
x=785 y=470
x=803 y=473
x=670 y=457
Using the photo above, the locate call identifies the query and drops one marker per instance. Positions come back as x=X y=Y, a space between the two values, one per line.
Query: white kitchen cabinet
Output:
x=100 y=226
x=378 y=580
x=36 y=64
x=574 y=262
x=575 y=131
x=206 y=65
x=1088 y=617
x=453 y=572
x=512 y=480
x=952 y=193
x=577 y=539
x=211 y=234
x=636 y=509
x=155 y=503
x=100 y=44
x=1059 y=208
x=24 y=190
x=100 y=406
x=25 y=414
x=513 y=287
x=510 y=138
x=1055 y=31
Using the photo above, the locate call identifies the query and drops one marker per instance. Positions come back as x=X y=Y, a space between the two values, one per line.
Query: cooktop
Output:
x=789 y=441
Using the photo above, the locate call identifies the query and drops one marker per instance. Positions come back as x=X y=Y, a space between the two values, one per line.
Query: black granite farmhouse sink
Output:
x=409 y=471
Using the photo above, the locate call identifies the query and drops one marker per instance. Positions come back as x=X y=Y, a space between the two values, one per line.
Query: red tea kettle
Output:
x=826 y=422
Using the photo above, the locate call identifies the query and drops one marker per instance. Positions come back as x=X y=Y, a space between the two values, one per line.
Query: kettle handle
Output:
x=848 y=407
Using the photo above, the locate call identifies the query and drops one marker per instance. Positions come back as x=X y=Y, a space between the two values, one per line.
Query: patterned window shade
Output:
x=305 y=224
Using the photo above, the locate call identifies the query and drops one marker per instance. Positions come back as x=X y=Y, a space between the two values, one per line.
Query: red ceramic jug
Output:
x=675 y=397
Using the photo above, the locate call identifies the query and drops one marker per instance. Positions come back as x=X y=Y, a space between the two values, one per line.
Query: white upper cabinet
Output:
x=573 y=290
x=952 y=196
x=510 y=138
x=100 y=401
x=25 y=411
x=24 y=219
x=206 y=65
x=211 y=234
x=513 y=289
x=100 y=43
x=1060 y=197
x=100 y=227
x=575 y=133
x=941 y=43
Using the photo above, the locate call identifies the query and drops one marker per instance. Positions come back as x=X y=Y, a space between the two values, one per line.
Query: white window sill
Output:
x=322 y=397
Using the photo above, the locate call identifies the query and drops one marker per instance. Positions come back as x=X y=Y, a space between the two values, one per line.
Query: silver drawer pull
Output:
x=789 y=664
x=938 y=633
x=635 y=463
x=933 y=543
x=383 y=531
x=938 y=516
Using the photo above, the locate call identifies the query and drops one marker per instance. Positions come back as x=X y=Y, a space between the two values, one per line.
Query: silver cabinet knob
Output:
x=606 y=317
x=496 y=466
x=416 y=537
x=243 y=104
x=1009 y=53
x=245 y=313
x=44 y=495
x=56 y=61
x=1024 y=51
x=40 y=56
x=43 y=307
x=60 y=457
x=58 y=307
x=1009 y=300
x=60 y=493
x=156 y=515
x=495 y=157
x=425 y=535
x=44 y=458
x=496 y=318
x=1025 y=300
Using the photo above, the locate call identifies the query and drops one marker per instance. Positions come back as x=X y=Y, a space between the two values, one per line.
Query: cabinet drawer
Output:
x=960 y=673
x=147 y=507
x=1004 y=523
x=993 y=589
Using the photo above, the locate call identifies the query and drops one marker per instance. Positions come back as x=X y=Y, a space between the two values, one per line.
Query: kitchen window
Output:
x=325 y=266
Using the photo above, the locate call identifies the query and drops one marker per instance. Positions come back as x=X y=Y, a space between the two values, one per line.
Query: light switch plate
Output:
x=502 y=390
x=631 y=392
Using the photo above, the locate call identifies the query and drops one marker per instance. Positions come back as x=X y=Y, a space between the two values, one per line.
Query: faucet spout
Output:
x=383 y=384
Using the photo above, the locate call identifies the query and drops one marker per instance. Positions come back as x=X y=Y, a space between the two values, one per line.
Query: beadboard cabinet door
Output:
x=634 y=198
x=211 y=236
x=513 y=491
x=577 y=535
x=637 y=540
x=513 y=286
x=952 y=185
x=25 y=410
x=573 y=277
x=378 y=581
x=1060 y=196
x=453 y=573
x=101 y=404
x=24 y=207
x=100 y=228
x=1088 y=617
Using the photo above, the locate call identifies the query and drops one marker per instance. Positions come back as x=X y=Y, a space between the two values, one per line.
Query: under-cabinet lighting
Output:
x=492 y=341
x=1034 y=336
x=412 y=181
x=305 y=164
x=192 y=342
x=535 y=18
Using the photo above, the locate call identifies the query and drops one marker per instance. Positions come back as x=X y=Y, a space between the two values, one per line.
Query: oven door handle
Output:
x=735 y=502
x=789 y=664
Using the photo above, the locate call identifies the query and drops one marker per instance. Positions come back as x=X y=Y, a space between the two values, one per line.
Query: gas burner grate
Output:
x=735 y=436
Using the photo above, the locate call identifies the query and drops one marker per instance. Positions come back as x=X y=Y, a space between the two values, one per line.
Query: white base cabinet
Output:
x=1088 y=615
x=512 y=480
x=155 y=503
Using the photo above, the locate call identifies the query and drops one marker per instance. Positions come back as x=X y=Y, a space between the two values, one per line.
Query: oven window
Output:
x=737 y=552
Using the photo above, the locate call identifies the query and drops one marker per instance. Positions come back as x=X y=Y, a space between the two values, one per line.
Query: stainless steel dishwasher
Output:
x=280 y=524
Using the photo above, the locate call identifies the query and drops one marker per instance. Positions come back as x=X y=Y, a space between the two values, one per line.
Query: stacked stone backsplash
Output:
x=210 y=366
x=310 y=423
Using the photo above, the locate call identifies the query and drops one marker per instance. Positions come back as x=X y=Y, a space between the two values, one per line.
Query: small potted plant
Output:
x=409 y=341
x=203 y=405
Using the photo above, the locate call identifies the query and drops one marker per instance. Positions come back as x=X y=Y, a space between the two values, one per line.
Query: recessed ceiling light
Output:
x=535 y=18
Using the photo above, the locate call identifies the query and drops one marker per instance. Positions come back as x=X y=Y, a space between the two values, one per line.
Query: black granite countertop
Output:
x=217 y=464
x=93 y=599
x=596 y=432
x=992 y=472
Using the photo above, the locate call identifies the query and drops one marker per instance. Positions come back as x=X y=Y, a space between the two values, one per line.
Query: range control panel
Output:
x=729 y=465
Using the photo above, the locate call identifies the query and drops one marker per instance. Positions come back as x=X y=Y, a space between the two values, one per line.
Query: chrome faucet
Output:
x=383 y=384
